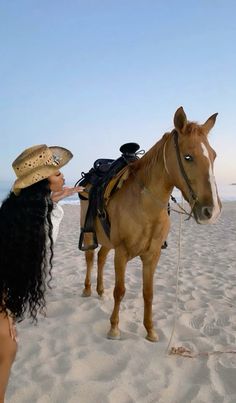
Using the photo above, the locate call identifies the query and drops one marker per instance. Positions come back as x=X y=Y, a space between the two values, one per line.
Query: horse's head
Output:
x=192 y=166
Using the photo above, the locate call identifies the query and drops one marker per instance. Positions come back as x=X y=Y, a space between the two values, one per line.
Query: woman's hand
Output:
x=66 y=192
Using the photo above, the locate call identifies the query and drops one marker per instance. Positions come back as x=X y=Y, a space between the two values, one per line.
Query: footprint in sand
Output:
x=132 y=327
x=197 y=321
x=223 y=321
x=210 y=329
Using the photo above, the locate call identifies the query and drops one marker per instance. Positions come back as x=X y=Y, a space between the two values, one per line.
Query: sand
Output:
x=67 y=358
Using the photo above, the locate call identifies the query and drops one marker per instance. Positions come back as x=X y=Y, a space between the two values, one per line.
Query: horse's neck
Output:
x=152 y=171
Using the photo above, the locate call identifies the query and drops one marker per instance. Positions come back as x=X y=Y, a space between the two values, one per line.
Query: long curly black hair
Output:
x=26 y=250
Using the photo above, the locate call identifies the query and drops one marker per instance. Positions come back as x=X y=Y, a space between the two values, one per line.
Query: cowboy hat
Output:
x=38 y=163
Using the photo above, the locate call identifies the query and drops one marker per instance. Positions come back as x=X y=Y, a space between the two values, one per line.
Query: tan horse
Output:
x=138 y=211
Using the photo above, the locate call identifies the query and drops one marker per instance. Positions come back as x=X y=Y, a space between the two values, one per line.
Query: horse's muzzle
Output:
x=206 y=214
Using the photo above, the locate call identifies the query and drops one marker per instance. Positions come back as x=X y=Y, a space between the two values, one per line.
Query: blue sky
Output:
x=92 y=75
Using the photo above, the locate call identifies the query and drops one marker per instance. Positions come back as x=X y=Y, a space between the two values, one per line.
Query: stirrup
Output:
x=84 y=247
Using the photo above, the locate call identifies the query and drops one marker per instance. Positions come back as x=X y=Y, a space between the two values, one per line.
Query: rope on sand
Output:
x=177 y=279
x=185 y=352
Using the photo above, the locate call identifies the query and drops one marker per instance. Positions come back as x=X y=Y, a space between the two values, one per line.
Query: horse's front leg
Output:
x=149 y=266
x=119 y=291
x=102 y=255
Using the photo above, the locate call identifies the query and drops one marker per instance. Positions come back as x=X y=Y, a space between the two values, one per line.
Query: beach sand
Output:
x=67 y=358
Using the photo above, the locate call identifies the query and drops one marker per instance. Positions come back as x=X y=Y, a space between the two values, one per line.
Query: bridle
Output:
x=187 y=181
x=192 y=194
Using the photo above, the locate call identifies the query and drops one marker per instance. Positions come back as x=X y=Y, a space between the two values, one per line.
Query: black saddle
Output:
x=106 y=168
x=99 y=175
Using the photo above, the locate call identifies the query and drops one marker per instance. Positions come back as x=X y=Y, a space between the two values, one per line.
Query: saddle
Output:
x=105 y=177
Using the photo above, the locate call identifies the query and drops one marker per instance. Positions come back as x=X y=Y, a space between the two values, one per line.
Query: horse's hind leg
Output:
x=102 y=255
x=149 y=266
x=89 y=257
x=119 y=292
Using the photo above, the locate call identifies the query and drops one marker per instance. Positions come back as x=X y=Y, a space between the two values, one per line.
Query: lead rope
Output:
x=181 y=208
x=181 y=350
x=177 y=280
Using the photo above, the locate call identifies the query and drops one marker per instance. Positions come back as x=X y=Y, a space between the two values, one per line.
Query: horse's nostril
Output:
x=207 y=211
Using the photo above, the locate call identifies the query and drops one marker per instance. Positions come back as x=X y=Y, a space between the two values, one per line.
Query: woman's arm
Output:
x=66 y=192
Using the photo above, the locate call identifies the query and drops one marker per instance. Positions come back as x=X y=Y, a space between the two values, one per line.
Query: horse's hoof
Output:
x=152 y=336
x=86 y=293
x=100 y=293
x=113 y=334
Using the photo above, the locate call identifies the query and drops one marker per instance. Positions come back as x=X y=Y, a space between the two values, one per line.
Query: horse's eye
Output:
x=188 y=158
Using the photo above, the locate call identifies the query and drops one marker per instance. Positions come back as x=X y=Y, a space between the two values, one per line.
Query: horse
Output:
x=139 y=221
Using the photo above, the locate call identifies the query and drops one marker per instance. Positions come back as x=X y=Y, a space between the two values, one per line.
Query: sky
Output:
x=92 y=75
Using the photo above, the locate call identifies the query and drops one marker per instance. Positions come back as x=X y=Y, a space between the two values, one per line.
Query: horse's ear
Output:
x=207 y=126
x=180 y=119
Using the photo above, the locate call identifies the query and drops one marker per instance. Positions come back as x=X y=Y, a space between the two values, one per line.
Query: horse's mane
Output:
x=151 y=157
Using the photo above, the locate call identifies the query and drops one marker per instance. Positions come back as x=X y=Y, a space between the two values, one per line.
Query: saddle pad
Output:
x=116 y=182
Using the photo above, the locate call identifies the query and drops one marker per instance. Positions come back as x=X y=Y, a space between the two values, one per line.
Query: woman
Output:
x=29 y=223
